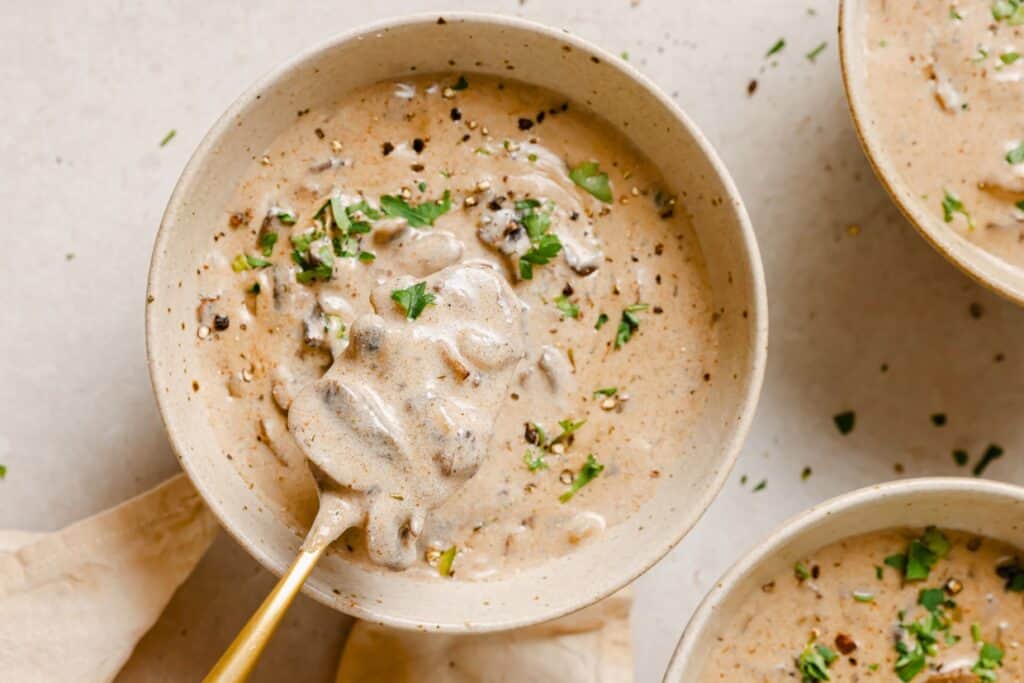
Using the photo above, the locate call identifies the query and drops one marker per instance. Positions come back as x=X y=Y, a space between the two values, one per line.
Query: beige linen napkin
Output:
x=73 y=603
x=590 y=646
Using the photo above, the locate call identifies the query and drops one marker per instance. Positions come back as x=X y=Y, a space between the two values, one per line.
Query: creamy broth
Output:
x=457 y=440
x=848 y=598
x=946 y=83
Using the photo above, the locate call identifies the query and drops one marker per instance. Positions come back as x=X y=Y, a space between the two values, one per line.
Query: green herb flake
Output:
x=932 y=599
x=591 y=468
x=628 y=324
x=991 y=454
x=589 y=176
x=445 y=562
x=624 y=55
x=923 y=553
x=863 y=596
x=800 y=572
x=775 y=49
x=1020 y=205
x=367 y=256
x=413 y=299
x=606 y=391
x=239 y=263
x=951 y=205
x=285 y=216
x=960 y=457
x=1009 y=57
x=1016 y=155
x=879 y=572
x=897 y=562
x=3 y=471
x=541 y=253
x=422 y=186
x=990 y=658
x=568 y=308
x=255 y=289
x=601 y=320
x=535 y=460
x=814 y=662
x=955 y=15
x=267 y=242
x=976 y=632
x=167 y=138
x=806 y=474
x=813 y=54
x=461 y=84
x=761 y=485
x=845 y=421
x=419 y=216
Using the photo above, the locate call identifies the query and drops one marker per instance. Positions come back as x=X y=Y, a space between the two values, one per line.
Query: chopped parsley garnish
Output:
x=1012 y=11
x=413 y=299
x=879 y=572
x=444 y=563
x=285 y=216
x=314 y=256
x=991 y=454
x=845 y=421
x=921 y=555
x=535 y=460
x=1013 y=573
x=814 y=662
x=367 y=256
x=932 y=599
x=568 y=427
x=1016 y=155
x=863 y=596
x=167 y=138
x=536 y=220
x=761 y=485
x=989 y=659
x=3 y=471
x=813 y=54
x=951 y=206
x=806 y=473
x=591 y=468
x=461 y=84
x=960 y=457
x=248 y=262
x=606 y=391
x=775 y=49
x=267 y=242
x=568 y=308
x=800 y=572
x=589 y=176
x=601 y=320
x=1009 y=57
x=255 y=289
x=418 y=216
x=1020 y=205
x=422 y=186
x=954 y=15
x=925 y=632
x=628 y=324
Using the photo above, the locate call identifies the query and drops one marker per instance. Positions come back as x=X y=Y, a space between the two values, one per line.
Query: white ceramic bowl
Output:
x=978 y=506
x=591 y=78
x=986 y=269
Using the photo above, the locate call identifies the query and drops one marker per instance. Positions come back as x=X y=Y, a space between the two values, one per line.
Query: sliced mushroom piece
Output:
x=389 y=229
x=556 y=369
x=582 y=257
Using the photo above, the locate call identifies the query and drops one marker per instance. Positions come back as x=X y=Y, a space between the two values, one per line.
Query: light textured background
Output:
x=91 y=88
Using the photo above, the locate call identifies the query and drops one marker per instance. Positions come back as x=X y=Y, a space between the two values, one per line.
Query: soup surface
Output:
x=901 y=605
x=946 y=82
x=537 y=295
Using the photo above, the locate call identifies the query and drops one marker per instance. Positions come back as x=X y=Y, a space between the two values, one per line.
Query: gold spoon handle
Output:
x=239 y=659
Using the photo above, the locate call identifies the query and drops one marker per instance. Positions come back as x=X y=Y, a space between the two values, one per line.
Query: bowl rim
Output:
x=967 y=258
x=756 y=331
x=807 y=520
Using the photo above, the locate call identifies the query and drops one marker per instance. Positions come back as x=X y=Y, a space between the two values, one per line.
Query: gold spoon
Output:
x=337 y=513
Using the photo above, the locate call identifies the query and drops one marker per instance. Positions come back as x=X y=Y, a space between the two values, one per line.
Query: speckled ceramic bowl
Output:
x=592 y=78
x=990 y=271
x=974 y=505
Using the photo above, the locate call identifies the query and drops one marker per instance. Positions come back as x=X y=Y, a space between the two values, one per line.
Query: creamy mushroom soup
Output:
x=926 y=606
x=472 y=305
x=946 y=83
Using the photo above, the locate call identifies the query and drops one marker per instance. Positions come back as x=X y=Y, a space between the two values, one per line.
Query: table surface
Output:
x=92 y=88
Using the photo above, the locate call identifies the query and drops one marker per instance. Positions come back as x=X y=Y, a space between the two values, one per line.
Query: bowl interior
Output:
x=986 y=508
x=986 y=269
x=515 y=49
